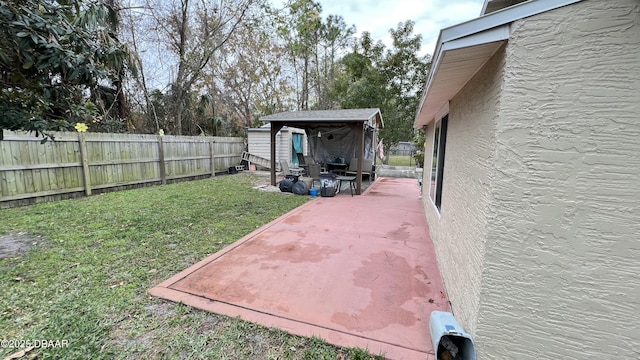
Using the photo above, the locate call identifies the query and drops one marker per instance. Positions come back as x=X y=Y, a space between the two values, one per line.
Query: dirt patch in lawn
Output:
x=16 y=244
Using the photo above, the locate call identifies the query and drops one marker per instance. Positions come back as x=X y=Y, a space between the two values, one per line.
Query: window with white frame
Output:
x=437 y=161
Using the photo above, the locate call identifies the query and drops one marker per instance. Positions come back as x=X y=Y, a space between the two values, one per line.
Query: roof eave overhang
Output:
x=465 y=48
x=375 y=119
x=457 y=61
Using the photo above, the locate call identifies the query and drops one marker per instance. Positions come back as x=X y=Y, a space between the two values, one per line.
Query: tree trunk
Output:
x=180 y=78
x=305 y=83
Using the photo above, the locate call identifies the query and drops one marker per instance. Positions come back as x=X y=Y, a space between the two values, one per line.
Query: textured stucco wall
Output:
x=459 y=233
x=562 y=257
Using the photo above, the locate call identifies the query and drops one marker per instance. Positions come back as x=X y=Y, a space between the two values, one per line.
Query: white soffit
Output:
x=459 y=60
x=463 y=49
x=495 y=5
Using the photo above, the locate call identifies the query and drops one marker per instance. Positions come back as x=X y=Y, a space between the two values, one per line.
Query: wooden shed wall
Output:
x=260 y=144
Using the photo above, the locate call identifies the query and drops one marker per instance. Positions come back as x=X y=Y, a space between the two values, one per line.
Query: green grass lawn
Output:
x=85 y=279
x=397 y=160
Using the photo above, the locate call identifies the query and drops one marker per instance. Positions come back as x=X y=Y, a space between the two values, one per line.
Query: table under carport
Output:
x=351 y=125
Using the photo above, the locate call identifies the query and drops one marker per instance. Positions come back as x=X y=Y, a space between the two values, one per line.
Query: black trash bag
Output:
x=328 y=191
x=286 y=185
x=328 y=184
x=328 y=180
x=300 y=188
x=293 y=178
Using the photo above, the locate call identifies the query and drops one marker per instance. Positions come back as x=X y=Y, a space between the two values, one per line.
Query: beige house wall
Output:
x=459 y=231
x=538 y=239
x=561 y=273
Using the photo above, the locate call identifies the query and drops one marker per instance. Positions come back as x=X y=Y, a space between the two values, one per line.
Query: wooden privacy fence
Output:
x=78 y=164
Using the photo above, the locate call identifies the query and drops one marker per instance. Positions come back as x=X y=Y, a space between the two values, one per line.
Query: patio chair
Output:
x=314 y=172
x=286 y=170
x=367 y=168
x=305 y=160
x=302 y=163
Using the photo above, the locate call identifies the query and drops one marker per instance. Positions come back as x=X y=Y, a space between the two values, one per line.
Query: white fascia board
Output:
x=484 y=23
x=435 y=63
x=484 y=7
x=485 y=37
x=492 y=35
x=501 y=17
x=480 y=37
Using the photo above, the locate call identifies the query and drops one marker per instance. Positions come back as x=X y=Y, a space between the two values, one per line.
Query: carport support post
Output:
x=358 y=131
x=360 y=139
x=275 y=127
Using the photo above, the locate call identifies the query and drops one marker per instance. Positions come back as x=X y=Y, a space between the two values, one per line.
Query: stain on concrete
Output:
x=231 y=287
x=392 y=282
x=293 y=219
x=292 y=251
x=400 y=233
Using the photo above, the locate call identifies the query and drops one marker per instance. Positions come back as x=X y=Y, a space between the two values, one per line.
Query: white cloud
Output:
x=377 y=17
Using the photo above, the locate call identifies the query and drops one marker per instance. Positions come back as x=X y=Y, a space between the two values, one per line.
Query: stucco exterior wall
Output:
x=562 y=259
x=460 y=231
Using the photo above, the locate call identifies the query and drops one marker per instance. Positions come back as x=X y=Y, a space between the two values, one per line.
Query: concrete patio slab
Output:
x=355 y=271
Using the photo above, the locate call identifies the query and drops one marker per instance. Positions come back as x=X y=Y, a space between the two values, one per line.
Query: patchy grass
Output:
x=86 y=276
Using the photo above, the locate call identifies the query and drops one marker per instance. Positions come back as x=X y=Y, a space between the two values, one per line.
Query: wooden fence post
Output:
x=163 y=170
x=85 y=164
x=212 y=153
x=82 y=162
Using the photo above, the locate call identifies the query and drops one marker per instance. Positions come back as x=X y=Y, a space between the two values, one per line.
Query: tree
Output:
x=419 y=139
x=194 y=31
x=314 y=46
x=361 y=83
x=335 y=36
x=250 y=77
x=52 y=53
x=300 y=30
x=405 y=72
x=136 y=32
x=390 y=79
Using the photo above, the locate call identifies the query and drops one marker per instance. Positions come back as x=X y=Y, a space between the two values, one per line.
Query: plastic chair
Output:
x=367 y=168
x=286 y=170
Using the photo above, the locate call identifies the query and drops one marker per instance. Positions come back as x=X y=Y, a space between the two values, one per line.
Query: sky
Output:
x=378 y=16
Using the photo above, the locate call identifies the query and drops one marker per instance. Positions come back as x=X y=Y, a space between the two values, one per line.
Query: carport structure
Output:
x=357 y=120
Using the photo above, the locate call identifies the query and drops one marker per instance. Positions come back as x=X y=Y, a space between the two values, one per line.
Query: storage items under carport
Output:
x=294 y=184
x=328 y=184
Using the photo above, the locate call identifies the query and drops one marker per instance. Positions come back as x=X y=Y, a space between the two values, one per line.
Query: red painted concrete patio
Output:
x=355 y=271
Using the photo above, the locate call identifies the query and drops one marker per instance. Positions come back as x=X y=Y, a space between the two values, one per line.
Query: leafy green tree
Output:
x=52 y=55
x=314 y=46
x=248 y=70
x=300 y=30
x=361 y=83
x=335 y=37
x=389 y=79
x=405 y=72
